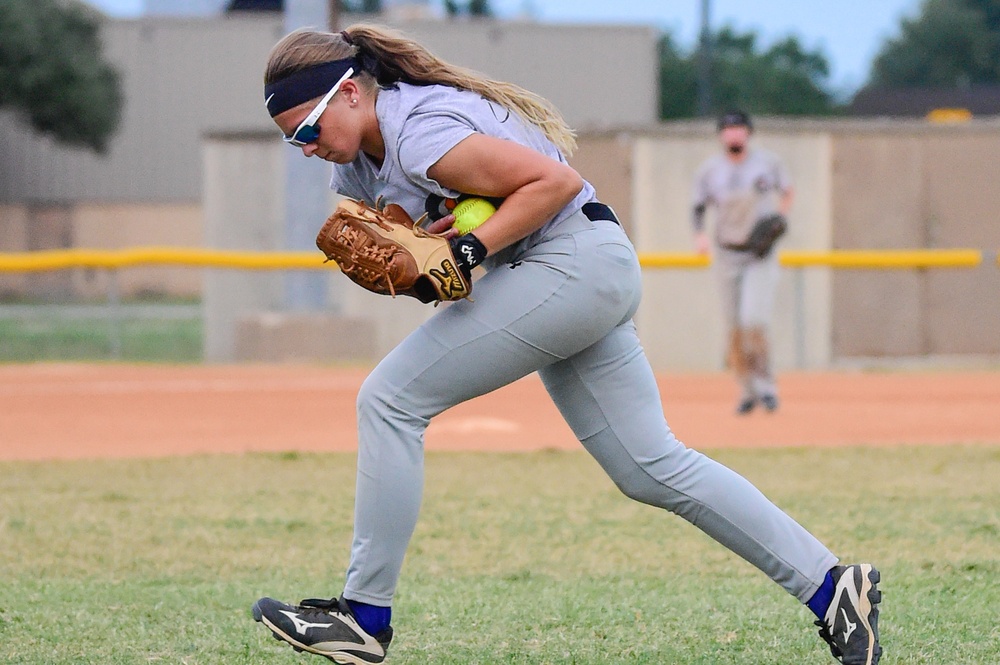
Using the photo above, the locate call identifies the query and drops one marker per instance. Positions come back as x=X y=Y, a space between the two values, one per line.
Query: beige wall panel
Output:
x=304 y=337
x=679 y=321
x=13 y=238
x=50 y=227
x=878 y=313
x=963 y=311
x=962 y=306
x=244 y=206
x=877 y=204
x=960 y=182
x=124 y=226
x=570 y=65
x=606 y=162
x=878 y=191
x=392 y=318
x=800 y=334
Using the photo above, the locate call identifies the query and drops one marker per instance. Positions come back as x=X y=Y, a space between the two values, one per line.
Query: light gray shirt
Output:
x=419 y=125
x=741 y=192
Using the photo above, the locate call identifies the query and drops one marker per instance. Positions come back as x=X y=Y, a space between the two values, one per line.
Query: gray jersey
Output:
x=741 y=192
x=419 y=125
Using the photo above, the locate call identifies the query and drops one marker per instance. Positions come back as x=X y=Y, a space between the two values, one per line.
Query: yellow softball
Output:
x=470 y=213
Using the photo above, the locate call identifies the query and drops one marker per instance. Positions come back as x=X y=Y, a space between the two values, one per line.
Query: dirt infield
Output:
x=77 y=411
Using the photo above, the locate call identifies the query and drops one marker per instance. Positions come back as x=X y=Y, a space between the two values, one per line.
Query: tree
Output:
x=678 y=81
x=361 y=6
x=951 y=43
x=480 y=8
x=785 y=79
x=52 y=71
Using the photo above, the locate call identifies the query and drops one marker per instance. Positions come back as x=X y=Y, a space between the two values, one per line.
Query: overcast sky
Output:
x=848 y=32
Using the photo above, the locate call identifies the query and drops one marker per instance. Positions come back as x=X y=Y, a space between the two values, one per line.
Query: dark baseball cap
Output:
x=734 y=119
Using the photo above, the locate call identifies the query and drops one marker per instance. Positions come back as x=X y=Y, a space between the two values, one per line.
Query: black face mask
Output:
x=735 y=149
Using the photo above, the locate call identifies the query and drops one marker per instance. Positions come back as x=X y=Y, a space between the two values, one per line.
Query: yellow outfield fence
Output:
x=115 y=312
x=61 y=259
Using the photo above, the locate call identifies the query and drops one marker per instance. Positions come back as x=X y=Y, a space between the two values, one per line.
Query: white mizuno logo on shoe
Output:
x=302 y=626
x=850 y=626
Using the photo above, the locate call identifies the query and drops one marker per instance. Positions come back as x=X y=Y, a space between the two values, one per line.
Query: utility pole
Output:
x=307 y=180
x=705 y=61
x=333 y=14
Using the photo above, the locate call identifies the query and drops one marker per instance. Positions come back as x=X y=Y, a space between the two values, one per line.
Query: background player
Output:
x=743 y=184
x=561 y=287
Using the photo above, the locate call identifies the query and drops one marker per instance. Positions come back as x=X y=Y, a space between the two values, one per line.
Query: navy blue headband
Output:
x=305 y=84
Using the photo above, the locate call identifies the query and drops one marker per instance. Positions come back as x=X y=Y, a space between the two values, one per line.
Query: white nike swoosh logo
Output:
x=267 y=102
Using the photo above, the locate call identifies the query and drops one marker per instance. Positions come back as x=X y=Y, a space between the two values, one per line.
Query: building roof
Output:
x=982 y=100
x=255 y=5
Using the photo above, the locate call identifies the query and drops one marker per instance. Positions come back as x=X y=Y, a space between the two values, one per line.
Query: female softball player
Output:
x=561 y=286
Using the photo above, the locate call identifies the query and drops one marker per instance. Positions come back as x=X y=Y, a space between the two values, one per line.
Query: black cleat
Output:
x=850 y=626
x=746 y=405
x=770 y=403
x=324 y=627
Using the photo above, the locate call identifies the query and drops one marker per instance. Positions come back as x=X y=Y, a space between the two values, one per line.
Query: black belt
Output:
x=595 y=211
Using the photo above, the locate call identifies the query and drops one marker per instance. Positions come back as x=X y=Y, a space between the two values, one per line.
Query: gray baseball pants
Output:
x=747 y=286
x=564 y=310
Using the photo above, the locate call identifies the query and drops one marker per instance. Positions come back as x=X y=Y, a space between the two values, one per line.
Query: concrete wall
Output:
x=186 y=77
x=244 y=205
x=110 y=226
x=916 y=186
x=244 y=316
x=859 y=186
x=606 y=161
x=646 y=178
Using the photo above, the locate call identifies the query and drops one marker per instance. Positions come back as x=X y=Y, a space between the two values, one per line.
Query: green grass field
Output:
x=41 y=338
x=527 y=558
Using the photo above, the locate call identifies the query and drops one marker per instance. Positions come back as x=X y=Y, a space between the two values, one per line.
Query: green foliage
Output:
x=51 y=70
x=361 y=6
x=951 y=43
x=678 y=81
x=480 y=8
x=784 y=79
x=517 y=559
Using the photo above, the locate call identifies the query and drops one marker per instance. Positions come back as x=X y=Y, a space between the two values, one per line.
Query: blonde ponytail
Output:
x=387 y=56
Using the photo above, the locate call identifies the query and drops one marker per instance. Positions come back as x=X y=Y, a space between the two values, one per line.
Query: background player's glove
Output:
x=385 y=252
x=765 y=233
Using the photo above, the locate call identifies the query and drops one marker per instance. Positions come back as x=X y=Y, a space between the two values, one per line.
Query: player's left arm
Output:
x=534 y=187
